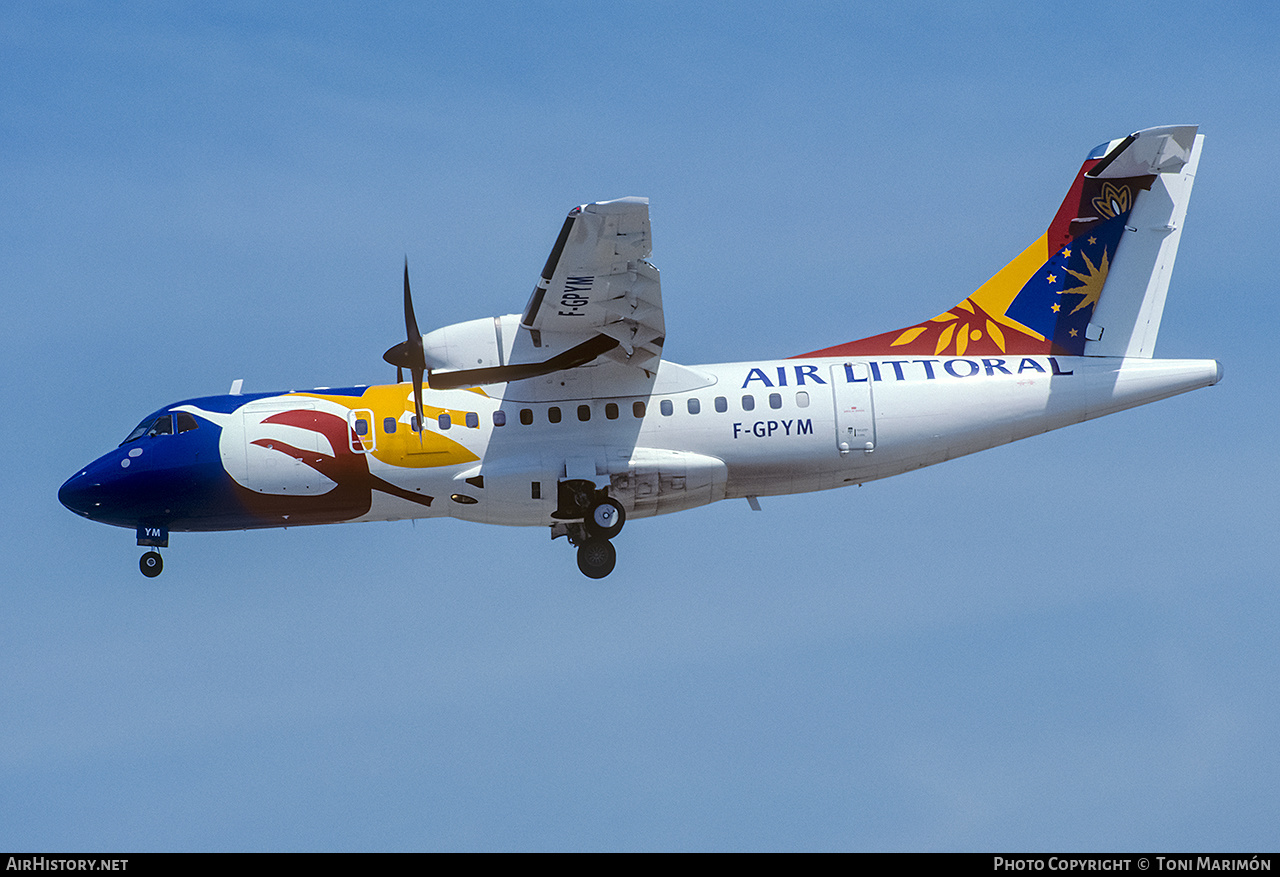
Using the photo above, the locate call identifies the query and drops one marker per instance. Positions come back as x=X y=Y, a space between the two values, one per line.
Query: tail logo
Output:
x=1016 y=313
x=1078 y=269
x=1090 y=284
x=1044 y=301
x=965 y=325
x=1113 y=200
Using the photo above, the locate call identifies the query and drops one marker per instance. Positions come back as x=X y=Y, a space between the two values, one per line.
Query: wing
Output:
x=597 y=282
x=597 y=299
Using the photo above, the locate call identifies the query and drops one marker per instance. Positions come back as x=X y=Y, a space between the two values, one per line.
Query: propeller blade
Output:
x=408 y=354
x=417 y=399
x=410 y=322
x=419 y=364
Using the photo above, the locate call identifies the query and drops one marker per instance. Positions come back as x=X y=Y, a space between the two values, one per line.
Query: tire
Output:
x=151 y=564
x=604 y=520
x=596 y=558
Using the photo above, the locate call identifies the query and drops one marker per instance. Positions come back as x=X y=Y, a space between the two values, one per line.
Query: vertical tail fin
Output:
x=1094 y=283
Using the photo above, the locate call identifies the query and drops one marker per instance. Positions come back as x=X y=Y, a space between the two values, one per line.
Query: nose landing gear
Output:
x=152 y=536
x=151 y=564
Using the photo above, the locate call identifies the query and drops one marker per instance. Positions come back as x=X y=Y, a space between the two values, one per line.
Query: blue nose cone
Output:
x=80 y=493
x=105 y=490
x=119 y=488
x=96 y=491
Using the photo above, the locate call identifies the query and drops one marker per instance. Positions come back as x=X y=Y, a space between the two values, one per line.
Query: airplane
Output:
x=567 y=416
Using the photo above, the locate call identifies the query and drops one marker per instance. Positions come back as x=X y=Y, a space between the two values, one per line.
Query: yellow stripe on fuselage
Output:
x=404 y=447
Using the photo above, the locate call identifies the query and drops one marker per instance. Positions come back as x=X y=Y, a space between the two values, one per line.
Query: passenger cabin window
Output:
x=775 y=400
x=184 y=422
x=802 y=399
x=414 y=424
x=388 y=425
x=611 y=410
x=748 y=403
x=553 y=414
x=526 y=416
x=666 y=408
x=473 y=420
x=694 y=406
x=637 y=409
x=445 y=420
x=584 y=413
x=499 y=418
x=722 y=404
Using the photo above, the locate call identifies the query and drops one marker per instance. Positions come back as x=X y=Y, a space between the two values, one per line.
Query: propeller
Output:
x=409 y=354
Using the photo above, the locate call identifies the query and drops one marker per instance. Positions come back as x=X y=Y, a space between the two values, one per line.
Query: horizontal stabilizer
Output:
x=1152 y=151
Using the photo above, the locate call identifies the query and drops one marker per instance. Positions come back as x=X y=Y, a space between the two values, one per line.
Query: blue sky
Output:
x=1066 y=643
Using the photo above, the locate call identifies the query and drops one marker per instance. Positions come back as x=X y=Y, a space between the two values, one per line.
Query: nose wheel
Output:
x=151 y=564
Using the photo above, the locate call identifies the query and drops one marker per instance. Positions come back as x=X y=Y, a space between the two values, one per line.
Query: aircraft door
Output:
x=363 y=436
x=855 y=414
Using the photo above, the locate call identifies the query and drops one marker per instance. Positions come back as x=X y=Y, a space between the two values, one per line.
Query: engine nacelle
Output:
x=483 y=343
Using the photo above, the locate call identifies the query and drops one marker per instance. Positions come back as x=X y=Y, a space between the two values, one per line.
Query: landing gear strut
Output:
x=151 y=564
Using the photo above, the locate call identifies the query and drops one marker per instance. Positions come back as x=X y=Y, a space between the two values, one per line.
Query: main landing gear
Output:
x=596 y=557
x=604 y=520
x=596 y=554
x=601 y=521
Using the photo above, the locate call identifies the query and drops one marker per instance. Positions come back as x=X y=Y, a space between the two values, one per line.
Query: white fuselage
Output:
x=741 y=430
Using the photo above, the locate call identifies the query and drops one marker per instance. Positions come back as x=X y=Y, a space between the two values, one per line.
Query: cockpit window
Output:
x=139 y=431
x=162 y=425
